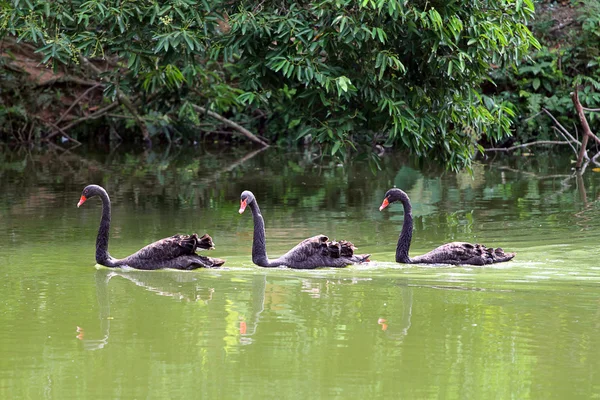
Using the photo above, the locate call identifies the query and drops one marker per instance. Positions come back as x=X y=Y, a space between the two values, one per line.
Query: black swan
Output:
x=313 y=252
x=176 y=252
x=456 y=253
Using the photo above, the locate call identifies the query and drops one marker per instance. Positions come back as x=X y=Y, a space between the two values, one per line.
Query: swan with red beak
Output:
x=456 y=253
x=176 y=252
x=314 y=252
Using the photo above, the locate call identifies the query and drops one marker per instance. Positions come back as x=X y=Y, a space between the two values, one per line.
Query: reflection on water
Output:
x=174 y=284
x=178 y=285
x=523 y=329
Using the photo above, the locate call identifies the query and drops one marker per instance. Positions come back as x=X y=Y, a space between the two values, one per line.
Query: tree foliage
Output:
x=397 y=72
x=568 y=57
x=344 y=74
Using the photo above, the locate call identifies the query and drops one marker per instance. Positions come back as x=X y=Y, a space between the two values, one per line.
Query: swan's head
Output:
x=246 y=198
x=89 y=191
x=391 y=196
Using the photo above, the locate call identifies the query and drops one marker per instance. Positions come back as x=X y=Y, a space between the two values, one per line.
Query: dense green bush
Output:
x=396 y=72
x=569 y=56
x=152 y=52
x=339 y=73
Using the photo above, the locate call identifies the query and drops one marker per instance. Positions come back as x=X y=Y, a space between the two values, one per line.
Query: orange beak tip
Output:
x=242 y=206
x=81 y=201
x=384 y=204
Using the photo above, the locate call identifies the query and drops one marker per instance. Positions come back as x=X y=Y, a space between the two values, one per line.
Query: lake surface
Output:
x=73 y=330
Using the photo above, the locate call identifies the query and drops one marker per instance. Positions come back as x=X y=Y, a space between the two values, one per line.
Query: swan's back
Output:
x=174 y=246
x=319 y=251
x=177 y=252
x=461 y=253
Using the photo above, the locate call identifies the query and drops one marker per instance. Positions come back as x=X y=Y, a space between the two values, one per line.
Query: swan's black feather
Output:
x=456 y=253
x=319 y=251
x=177 y=252
x=175 y=246
x=314 y=252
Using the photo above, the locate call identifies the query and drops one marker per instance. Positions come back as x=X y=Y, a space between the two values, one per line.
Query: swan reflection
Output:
x=179 y=285
x=396 y=326
x=247 y=306
x=248 y=327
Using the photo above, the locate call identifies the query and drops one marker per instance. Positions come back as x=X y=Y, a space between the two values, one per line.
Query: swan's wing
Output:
x=174 y=246
x=464 y=253
x=204 y=243
x=320 y=251
x=308 y=248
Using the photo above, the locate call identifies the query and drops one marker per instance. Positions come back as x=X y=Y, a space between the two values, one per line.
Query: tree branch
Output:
x=520 y=146
x=77 y=100
x=561 y=25
x=100 y=113
x=566 y=139
x=562 y=128
x=68 y=79
x=123 y=99
x=587 y=132
x=231 y=124
x=59 y=130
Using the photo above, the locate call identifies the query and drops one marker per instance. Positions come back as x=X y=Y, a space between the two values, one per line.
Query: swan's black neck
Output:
x=406 y=233
x=259 y=243
x=102 y=256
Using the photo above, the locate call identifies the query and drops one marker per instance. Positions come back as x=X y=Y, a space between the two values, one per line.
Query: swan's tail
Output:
x=347 y=250
x=361 y=258
x=216 y=262
x=203 y=262
x=205 y=242
x=501 y=256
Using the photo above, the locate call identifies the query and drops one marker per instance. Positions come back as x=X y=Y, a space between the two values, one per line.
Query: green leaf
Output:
x=343 y=83
x=293 y=123
x=335 y=148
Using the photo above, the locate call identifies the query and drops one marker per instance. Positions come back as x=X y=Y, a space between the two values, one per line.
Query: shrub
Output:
x=343 y=74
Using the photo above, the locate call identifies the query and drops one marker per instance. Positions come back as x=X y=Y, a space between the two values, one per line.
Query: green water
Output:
x=523 y=329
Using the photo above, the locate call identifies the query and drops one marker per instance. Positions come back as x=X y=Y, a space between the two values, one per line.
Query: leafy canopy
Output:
x=397 y=72
x=344 y=74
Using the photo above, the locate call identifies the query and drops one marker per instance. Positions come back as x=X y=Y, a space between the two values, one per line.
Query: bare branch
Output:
x=521 y=146
x=532 y=117
x=566 y=139
x=47 y=138
x=561 y=25
x=90 y=65
x=68 y=79
x=98 y=114
x=231 y=124
x=77 y=100
x=587 y=132
x=123 y=99
x=562 y=128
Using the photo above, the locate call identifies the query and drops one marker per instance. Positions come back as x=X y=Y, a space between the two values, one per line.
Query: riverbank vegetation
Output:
x=436 y=78
x=555 y=80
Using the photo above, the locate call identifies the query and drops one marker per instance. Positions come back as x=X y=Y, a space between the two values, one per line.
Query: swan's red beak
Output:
x=81 y=201
x=242 y=206
x=384 y=204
